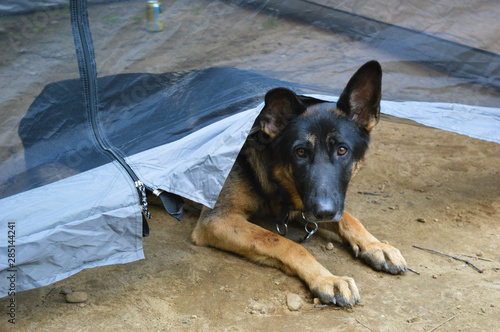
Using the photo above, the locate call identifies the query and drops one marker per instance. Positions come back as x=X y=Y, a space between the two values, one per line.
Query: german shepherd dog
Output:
x=302 y=157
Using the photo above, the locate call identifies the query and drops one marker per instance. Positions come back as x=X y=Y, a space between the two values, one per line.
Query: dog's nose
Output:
x=325 y=210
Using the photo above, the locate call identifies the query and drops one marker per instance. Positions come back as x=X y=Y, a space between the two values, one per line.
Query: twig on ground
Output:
x=369 y=193
x=480 y=258
x=412 y=270
x=47 y=295
x=450 y=256
x=362 y=324
x=446 y=321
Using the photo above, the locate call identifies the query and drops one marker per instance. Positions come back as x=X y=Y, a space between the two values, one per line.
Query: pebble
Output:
x=434 y=276
x=255 y=306
x=420 y=219
x=294 y=302
x=76 y=297
x=329 y=246
x=66 y=290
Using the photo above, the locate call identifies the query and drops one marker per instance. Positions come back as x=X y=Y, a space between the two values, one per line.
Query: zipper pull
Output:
x=144 y=200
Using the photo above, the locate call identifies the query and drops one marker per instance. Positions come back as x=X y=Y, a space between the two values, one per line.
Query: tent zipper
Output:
x=88 y=74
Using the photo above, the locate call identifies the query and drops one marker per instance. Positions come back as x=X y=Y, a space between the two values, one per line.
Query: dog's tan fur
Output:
x=227 y=226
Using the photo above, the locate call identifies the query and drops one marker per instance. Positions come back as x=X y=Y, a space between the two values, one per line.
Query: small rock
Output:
x=66 y=290
x=263 y=311
x=420 y=219
x=255 y=307
x=329 y=246
x=317 y=301
x=434 y=276
x=76 y=297
x=479 y=253
x=185 y=321
x=436 y=220
x=294 y=302
x=194 y=316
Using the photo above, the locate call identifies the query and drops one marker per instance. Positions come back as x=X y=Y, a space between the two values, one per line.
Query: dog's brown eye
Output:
x=301 y=152
x=341 y=150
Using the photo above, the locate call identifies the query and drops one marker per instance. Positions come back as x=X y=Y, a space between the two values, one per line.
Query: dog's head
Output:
x=317 y=147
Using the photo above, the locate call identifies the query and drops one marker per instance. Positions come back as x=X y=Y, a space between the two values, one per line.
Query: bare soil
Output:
x=412 y=172
x=420 y=186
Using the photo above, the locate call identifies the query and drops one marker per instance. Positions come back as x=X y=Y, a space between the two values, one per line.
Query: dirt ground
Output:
x=420 y=186
x=412 y=172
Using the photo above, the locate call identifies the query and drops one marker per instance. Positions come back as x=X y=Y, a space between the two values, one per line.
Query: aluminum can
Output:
x=155 y=16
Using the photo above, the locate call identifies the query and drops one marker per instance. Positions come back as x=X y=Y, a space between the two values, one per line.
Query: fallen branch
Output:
x=446 y=321
x=450 y=256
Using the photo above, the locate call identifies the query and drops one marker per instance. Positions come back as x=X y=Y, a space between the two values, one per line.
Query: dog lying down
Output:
x=299 y=160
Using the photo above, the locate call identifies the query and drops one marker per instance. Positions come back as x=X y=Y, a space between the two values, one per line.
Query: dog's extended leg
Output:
x=232 y=232
x=381 y=256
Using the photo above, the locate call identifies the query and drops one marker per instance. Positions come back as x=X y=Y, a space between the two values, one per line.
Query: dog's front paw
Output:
x=381 y=256
x=341 y=291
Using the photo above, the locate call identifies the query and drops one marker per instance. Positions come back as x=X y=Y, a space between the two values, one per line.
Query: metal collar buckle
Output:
x=311 y=227
x=309 y=231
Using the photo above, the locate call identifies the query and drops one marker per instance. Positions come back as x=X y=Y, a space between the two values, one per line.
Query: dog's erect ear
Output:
x=360 y=99
x=281 y=106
